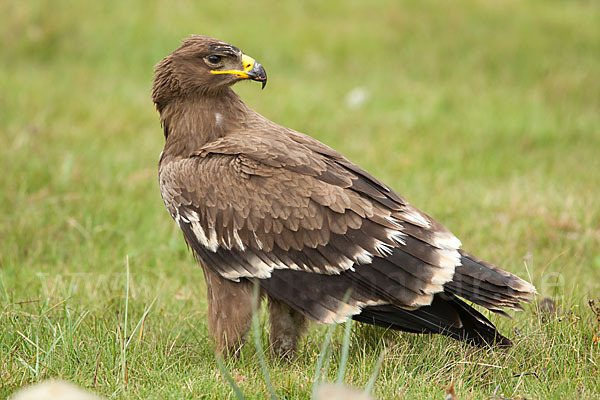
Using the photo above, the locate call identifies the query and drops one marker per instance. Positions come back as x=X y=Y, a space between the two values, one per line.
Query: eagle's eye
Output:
x=213 y=59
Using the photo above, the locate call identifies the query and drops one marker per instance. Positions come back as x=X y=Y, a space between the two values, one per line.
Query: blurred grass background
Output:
x=485 y=114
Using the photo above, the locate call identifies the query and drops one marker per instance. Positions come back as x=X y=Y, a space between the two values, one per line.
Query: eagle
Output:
x=262 y=204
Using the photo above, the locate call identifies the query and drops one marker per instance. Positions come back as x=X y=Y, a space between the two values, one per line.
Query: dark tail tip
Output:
x=469 y=325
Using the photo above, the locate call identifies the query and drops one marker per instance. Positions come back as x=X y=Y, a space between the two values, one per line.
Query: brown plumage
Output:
x=258 y=200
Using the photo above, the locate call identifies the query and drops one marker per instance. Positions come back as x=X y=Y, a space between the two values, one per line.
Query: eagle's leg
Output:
x=286 y=327
x=229 y=310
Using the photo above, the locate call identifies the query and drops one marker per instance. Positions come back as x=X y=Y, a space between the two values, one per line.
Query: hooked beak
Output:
x=252 y=70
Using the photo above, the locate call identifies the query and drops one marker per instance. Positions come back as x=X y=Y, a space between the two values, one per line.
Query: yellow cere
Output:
x=248 y=62
x=248 y=65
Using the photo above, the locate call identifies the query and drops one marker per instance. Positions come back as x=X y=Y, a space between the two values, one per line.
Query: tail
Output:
x=447 y=315
x=475 y=280
x=489 y=286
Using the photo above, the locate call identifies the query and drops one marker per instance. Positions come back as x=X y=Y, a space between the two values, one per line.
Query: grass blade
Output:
x=320 y=360
x=124 y=343
x=258 y=343
x=141 y=321
x=324 y=352
x=344 y=356
x=236 y=390
x=375 y=372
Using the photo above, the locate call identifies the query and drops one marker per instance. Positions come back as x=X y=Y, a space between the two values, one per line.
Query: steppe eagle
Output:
x=325 y=240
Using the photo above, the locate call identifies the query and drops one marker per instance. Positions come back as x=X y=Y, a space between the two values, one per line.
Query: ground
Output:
x=482 y=113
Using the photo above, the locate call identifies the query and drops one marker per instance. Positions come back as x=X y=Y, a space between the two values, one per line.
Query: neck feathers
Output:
x=191 y=122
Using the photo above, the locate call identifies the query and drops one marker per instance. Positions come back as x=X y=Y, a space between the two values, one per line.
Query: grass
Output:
x=484 y=114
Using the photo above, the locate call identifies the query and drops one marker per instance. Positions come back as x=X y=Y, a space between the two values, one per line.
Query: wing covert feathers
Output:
x=273 y=216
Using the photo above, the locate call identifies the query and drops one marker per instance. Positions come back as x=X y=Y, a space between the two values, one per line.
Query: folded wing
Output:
x=312 y=226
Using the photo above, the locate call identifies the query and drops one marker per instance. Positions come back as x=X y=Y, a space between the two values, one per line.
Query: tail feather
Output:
x=447 y=315
x=488 y=286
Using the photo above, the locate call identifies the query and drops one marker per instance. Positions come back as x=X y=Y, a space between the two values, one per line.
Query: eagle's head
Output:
x=202 y=65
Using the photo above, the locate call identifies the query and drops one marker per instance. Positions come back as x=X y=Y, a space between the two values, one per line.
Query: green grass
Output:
x=485 y=114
